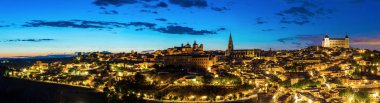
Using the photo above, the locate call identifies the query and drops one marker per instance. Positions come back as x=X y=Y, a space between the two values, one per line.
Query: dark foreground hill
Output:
x=23 y=91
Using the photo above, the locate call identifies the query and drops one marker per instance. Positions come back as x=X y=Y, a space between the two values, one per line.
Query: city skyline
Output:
x=44 y=27
x=190 y=51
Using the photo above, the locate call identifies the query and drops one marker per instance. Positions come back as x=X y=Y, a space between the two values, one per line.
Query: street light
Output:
x=375 y=94
x=310 y=101
x=218 y=97
x=191 y=97
x=204 y=97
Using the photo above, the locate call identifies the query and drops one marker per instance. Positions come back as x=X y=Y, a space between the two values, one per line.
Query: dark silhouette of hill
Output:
x=14 y=90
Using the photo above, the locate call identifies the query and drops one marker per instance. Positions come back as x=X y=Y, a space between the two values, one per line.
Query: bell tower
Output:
x=230 y=46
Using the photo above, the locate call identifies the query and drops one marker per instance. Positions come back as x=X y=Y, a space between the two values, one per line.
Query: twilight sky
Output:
x=41 y=27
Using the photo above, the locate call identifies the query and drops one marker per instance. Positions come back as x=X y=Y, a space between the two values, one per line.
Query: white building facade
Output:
x=336 y=42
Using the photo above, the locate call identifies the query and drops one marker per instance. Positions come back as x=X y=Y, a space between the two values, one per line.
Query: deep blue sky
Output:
x=40 y=27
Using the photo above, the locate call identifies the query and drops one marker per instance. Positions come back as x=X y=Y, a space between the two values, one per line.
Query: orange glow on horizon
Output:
x=17 y=54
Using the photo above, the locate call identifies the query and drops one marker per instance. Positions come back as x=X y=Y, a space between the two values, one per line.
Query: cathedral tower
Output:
x=230 y=46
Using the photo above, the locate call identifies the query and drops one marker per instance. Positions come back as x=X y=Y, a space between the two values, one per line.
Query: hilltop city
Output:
x=332 y=72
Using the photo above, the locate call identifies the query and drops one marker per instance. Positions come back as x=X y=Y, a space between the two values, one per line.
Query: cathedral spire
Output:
x=230 y=48
x=230 y=43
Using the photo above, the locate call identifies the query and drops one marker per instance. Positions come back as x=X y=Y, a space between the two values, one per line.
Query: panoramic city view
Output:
x=190 y=51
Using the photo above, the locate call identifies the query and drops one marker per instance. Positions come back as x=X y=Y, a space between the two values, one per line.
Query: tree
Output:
x=159 y=95
x=132 y=98
x=140 y=79
x=207 y=79
x=361 y=96
x=4 y=71
x=285 y=83
x=156 y=66
x=106 y=90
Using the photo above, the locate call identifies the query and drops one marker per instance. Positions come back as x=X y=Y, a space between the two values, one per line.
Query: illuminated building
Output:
x=186 y=49
x=238 y=53
x=40 y=65
x=336 y=42
x=189 y=61
x=230 y=46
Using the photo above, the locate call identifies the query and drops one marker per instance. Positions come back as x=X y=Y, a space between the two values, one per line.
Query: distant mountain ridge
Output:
x=40 y=57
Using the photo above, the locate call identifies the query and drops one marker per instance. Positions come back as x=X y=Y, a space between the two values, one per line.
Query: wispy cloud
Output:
x=267 y=30
x=73 y=24
x=2 y=26
x=147 y=4
x=303 y=13
x=219 y=9
x=144 y=24
x=161 y=5
x=362 y=1
x=260 y=20
x=285 y=40
x=190 y=3
x=302 y=40
x=149 y=11
x=366 y=40
x=85 y=24
x=183 y=30
x=161 y=19
x=114 y=2
x=114 y=12
x=28 y=40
